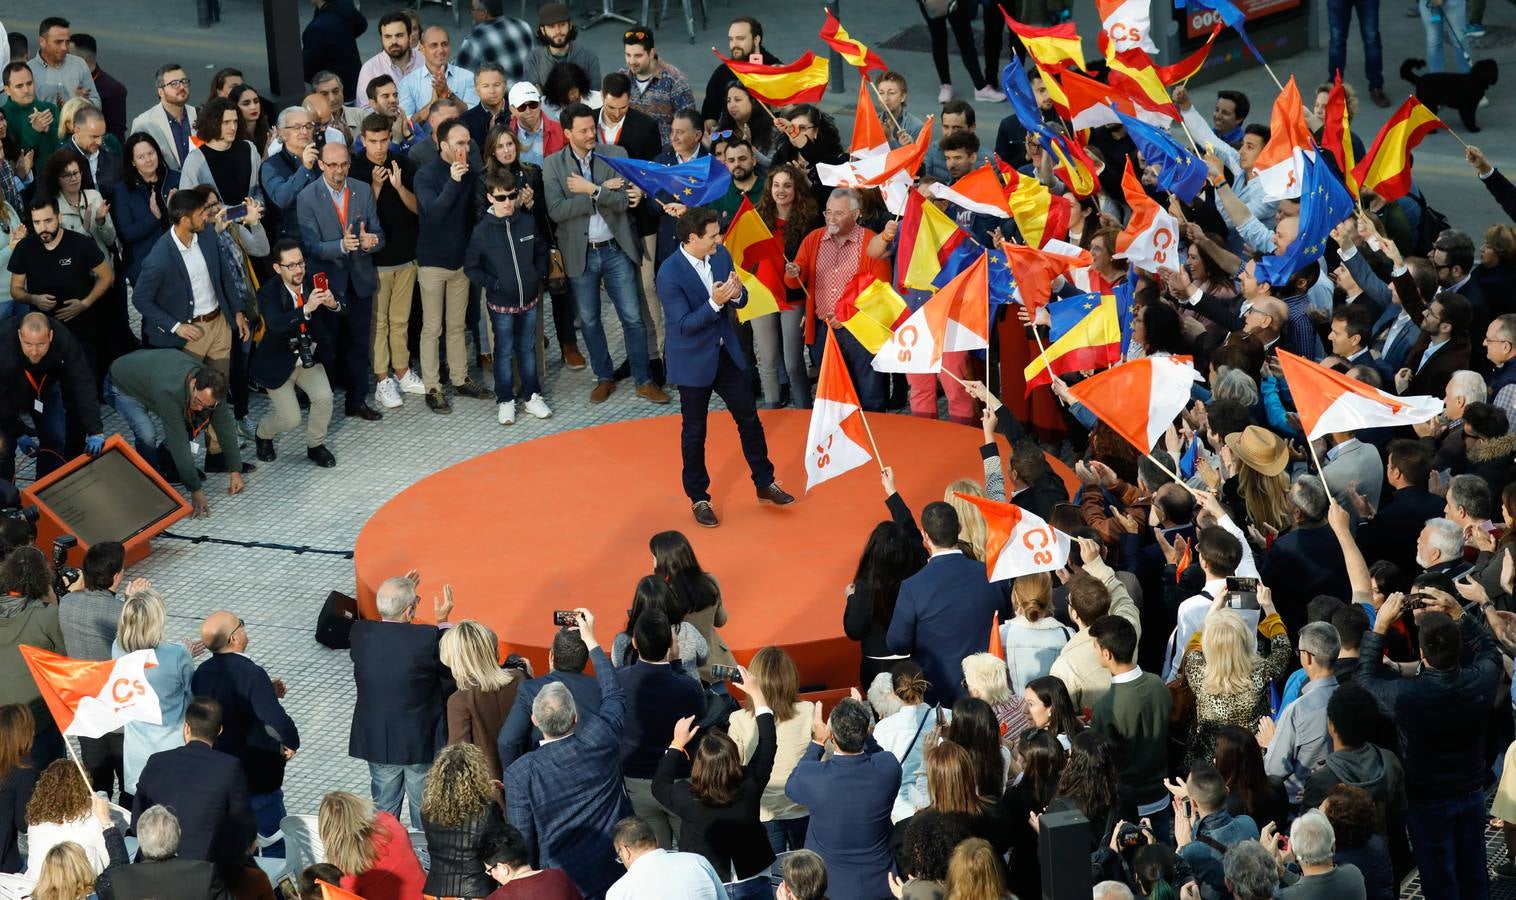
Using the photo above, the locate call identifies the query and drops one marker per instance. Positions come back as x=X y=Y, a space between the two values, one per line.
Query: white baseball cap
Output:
x=523 y=92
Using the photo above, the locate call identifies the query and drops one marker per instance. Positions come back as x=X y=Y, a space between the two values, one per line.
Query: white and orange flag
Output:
x=1151 y=238
x=330 y=891
x=874 y=171
x=1125 y=24
x=868 y=133
x=955 y=318
x=835 y=442
x=90 y=698
x=1139 y=399
x=1017 y=542
x=1329 y=401
x=1281 y=163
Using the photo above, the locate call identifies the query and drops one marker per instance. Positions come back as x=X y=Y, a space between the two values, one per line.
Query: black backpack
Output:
x=1431 y=224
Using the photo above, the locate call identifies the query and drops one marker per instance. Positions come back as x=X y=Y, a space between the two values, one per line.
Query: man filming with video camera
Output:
x=44 y=374
x=286 y=359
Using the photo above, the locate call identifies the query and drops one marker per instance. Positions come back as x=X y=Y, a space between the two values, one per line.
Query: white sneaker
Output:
x=506 y=414
x=411 y=383
x=538 y=407
x=989 y=94
x=388 y=393
x=945 y=93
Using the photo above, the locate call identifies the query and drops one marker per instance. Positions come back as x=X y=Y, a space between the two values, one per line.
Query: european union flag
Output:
x=1018 y=89
x=1001 y=282
x=702 y=180
x=1324 y=203
x=1180 y=172
x=1234 y=18
x=1126 y=306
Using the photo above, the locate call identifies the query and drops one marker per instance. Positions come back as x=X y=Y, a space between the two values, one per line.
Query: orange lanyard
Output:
x=189 y=418
x=36 y=385
x=342 y=210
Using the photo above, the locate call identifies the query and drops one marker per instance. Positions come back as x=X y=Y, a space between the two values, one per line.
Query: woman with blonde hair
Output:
x=774 y=673
x=974 y=872
x=1261 y=460
x=65 y=874
x=971 y=527
x=485 y=694
x=371 y=848
x=1033 y=637
x=61 y=810
x=1229 y=680
x=460 y=814
x=984 y=675
x=140 y=627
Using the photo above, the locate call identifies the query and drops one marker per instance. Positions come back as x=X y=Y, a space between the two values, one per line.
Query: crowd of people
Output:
x=1267 y=677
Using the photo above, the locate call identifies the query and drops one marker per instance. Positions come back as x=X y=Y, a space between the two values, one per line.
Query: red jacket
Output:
x=553 y=138
x=396 y=873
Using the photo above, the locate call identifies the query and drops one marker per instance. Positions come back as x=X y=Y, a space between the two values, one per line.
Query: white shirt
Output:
x=203 y=294
x=610 y=133
x=598 y=229
x=659 y=874
x=702 y=268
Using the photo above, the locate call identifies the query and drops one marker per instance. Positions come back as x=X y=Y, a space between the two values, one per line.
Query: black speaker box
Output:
x=1063 y=848
x=336 y=620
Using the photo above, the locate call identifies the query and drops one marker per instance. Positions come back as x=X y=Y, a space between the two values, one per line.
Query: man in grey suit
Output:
x=339 y=227
x=1352 y=465
x=589 y=203
x=172 y=120
x=185 y=291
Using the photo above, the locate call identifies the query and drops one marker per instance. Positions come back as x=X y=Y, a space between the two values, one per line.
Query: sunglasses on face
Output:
x=530 y=104
x=501 y=198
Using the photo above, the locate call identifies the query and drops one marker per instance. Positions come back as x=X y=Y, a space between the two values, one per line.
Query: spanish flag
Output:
x=852 y=50
x=1084 y=333
x=1040 y=216
x=802 y=81
x=1132 y=71
x=1074 y=167
x=1182 y=71
x=1049 y=45
x=1386 y=170
x=870 y=309
x=1336 y=136
x=759 y=258
x=927 y=238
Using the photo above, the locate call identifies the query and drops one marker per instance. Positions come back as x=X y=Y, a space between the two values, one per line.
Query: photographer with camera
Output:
x=45 y=374
x=88 y=613
x=286 y=357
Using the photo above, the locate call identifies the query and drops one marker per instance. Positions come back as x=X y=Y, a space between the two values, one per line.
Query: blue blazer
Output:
x=136 y=225
x=944 y=613
x=321 y=235
x=694 y=331
x=253 y=723
x=163 y=294
x=850 y=799
x=518 y=735
x=566 y=797
x=202 y=786
x=400 y=715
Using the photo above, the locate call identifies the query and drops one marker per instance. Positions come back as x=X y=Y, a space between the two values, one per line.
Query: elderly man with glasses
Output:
x=290 y=170
x=1500 y=348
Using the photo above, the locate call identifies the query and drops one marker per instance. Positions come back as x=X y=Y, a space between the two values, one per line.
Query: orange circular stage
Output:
x=564 y=521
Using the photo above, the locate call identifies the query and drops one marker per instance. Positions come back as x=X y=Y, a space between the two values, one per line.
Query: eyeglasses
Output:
x=1499 y=341
x=177 y=82
x=530 y=104
x=635 y=36
x=501 y=198
x=71 y=175
x=304 y=126
x=233 y=632
x=721 y=135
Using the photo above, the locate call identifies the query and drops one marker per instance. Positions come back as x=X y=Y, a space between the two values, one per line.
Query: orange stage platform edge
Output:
x=564 y=521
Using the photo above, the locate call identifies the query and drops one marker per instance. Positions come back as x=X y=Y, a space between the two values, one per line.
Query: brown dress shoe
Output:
x=705 y=517
x=602 y=391
x=1379 y=97
x=776 y=495
x=652 y=393
x=572 y=358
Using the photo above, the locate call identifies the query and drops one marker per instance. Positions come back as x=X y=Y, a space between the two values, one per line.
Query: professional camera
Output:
x=302 y=344
x=64 y=575
x=1128 y=835
x=24 y=513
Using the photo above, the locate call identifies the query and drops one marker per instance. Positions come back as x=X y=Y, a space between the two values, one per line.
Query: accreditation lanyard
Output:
x=342 y=210
x=37 y=389
x=189 y=418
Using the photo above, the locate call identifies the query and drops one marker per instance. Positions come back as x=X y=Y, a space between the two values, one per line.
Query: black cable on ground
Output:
x=256 y=545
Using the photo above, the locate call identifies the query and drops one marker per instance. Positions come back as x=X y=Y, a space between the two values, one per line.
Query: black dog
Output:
x=1460 y=90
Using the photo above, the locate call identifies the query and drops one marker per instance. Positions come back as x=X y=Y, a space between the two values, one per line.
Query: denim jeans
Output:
x=137 y=418
x=615 y=269
x=268 y=812
x=389 y=784
x=786 y=834
x=1447 y=838
x=52 y=428
x=759 y=887
x=515 y=337
x=1339 y=17
x=1453 y=22
x=771 y=333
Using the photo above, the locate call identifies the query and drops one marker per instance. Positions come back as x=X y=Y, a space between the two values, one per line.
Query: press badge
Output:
x=37 y=405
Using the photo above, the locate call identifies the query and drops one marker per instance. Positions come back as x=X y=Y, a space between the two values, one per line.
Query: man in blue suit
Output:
x=566 y=660
x=203 y=786
x=695 y=286
x=566 y=796
x=339 y=226
x=945 y=611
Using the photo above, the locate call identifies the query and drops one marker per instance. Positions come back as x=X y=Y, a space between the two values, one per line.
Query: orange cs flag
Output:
x=835 y=442
x=868 y=132
x=997 y=648
x=1281 y=163
x=330 y=891
x=802 y=81
x=851 y=50
x=1018 y=541
x=1185 y=69
x=1034 y=271
x=90 y=698
x=877 y=170
x=955 y=318
x=1139 y=399
x=1329 y=401
x=759 y=259
x=1336 y=137
x=1386 y=169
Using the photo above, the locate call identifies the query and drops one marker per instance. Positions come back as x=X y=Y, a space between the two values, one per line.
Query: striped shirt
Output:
x=836 y=264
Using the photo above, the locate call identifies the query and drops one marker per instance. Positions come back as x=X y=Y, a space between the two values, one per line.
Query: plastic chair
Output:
x=15 y=887
x=302 y=845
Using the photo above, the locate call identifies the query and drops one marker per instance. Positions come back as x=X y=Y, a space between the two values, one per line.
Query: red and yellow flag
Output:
x=1049 y=45
x=1386 y=169
x=1185 y=69
x=802 y=81
x=1132 y=71
x=927 y=238
x=870 y=309
x=1336 y=136
x=852 y=50
x=759 y=259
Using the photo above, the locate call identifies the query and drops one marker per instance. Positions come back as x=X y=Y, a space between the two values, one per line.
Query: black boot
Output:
x=266 y=449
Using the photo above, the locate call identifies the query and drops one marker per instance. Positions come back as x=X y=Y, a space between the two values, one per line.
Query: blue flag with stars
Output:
x=1234 y=18
x=1324 y=203
x=961 y=258
x=1126 y=305
x=1001 y=282
x=1018 y=89
x=702 y=180
x=1180 y=172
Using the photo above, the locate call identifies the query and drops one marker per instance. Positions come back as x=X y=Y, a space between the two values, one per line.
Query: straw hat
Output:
x=1260 y=449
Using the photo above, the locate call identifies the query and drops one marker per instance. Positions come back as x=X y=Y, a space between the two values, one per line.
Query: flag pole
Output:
x=878 y=460
x=1319 y=470
x=74 y=755
x=1172 y=474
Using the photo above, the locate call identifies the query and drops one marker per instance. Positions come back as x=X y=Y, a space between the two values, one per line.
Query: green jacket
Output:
x=159 y=380
x=31 y=622
x=18 y=118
